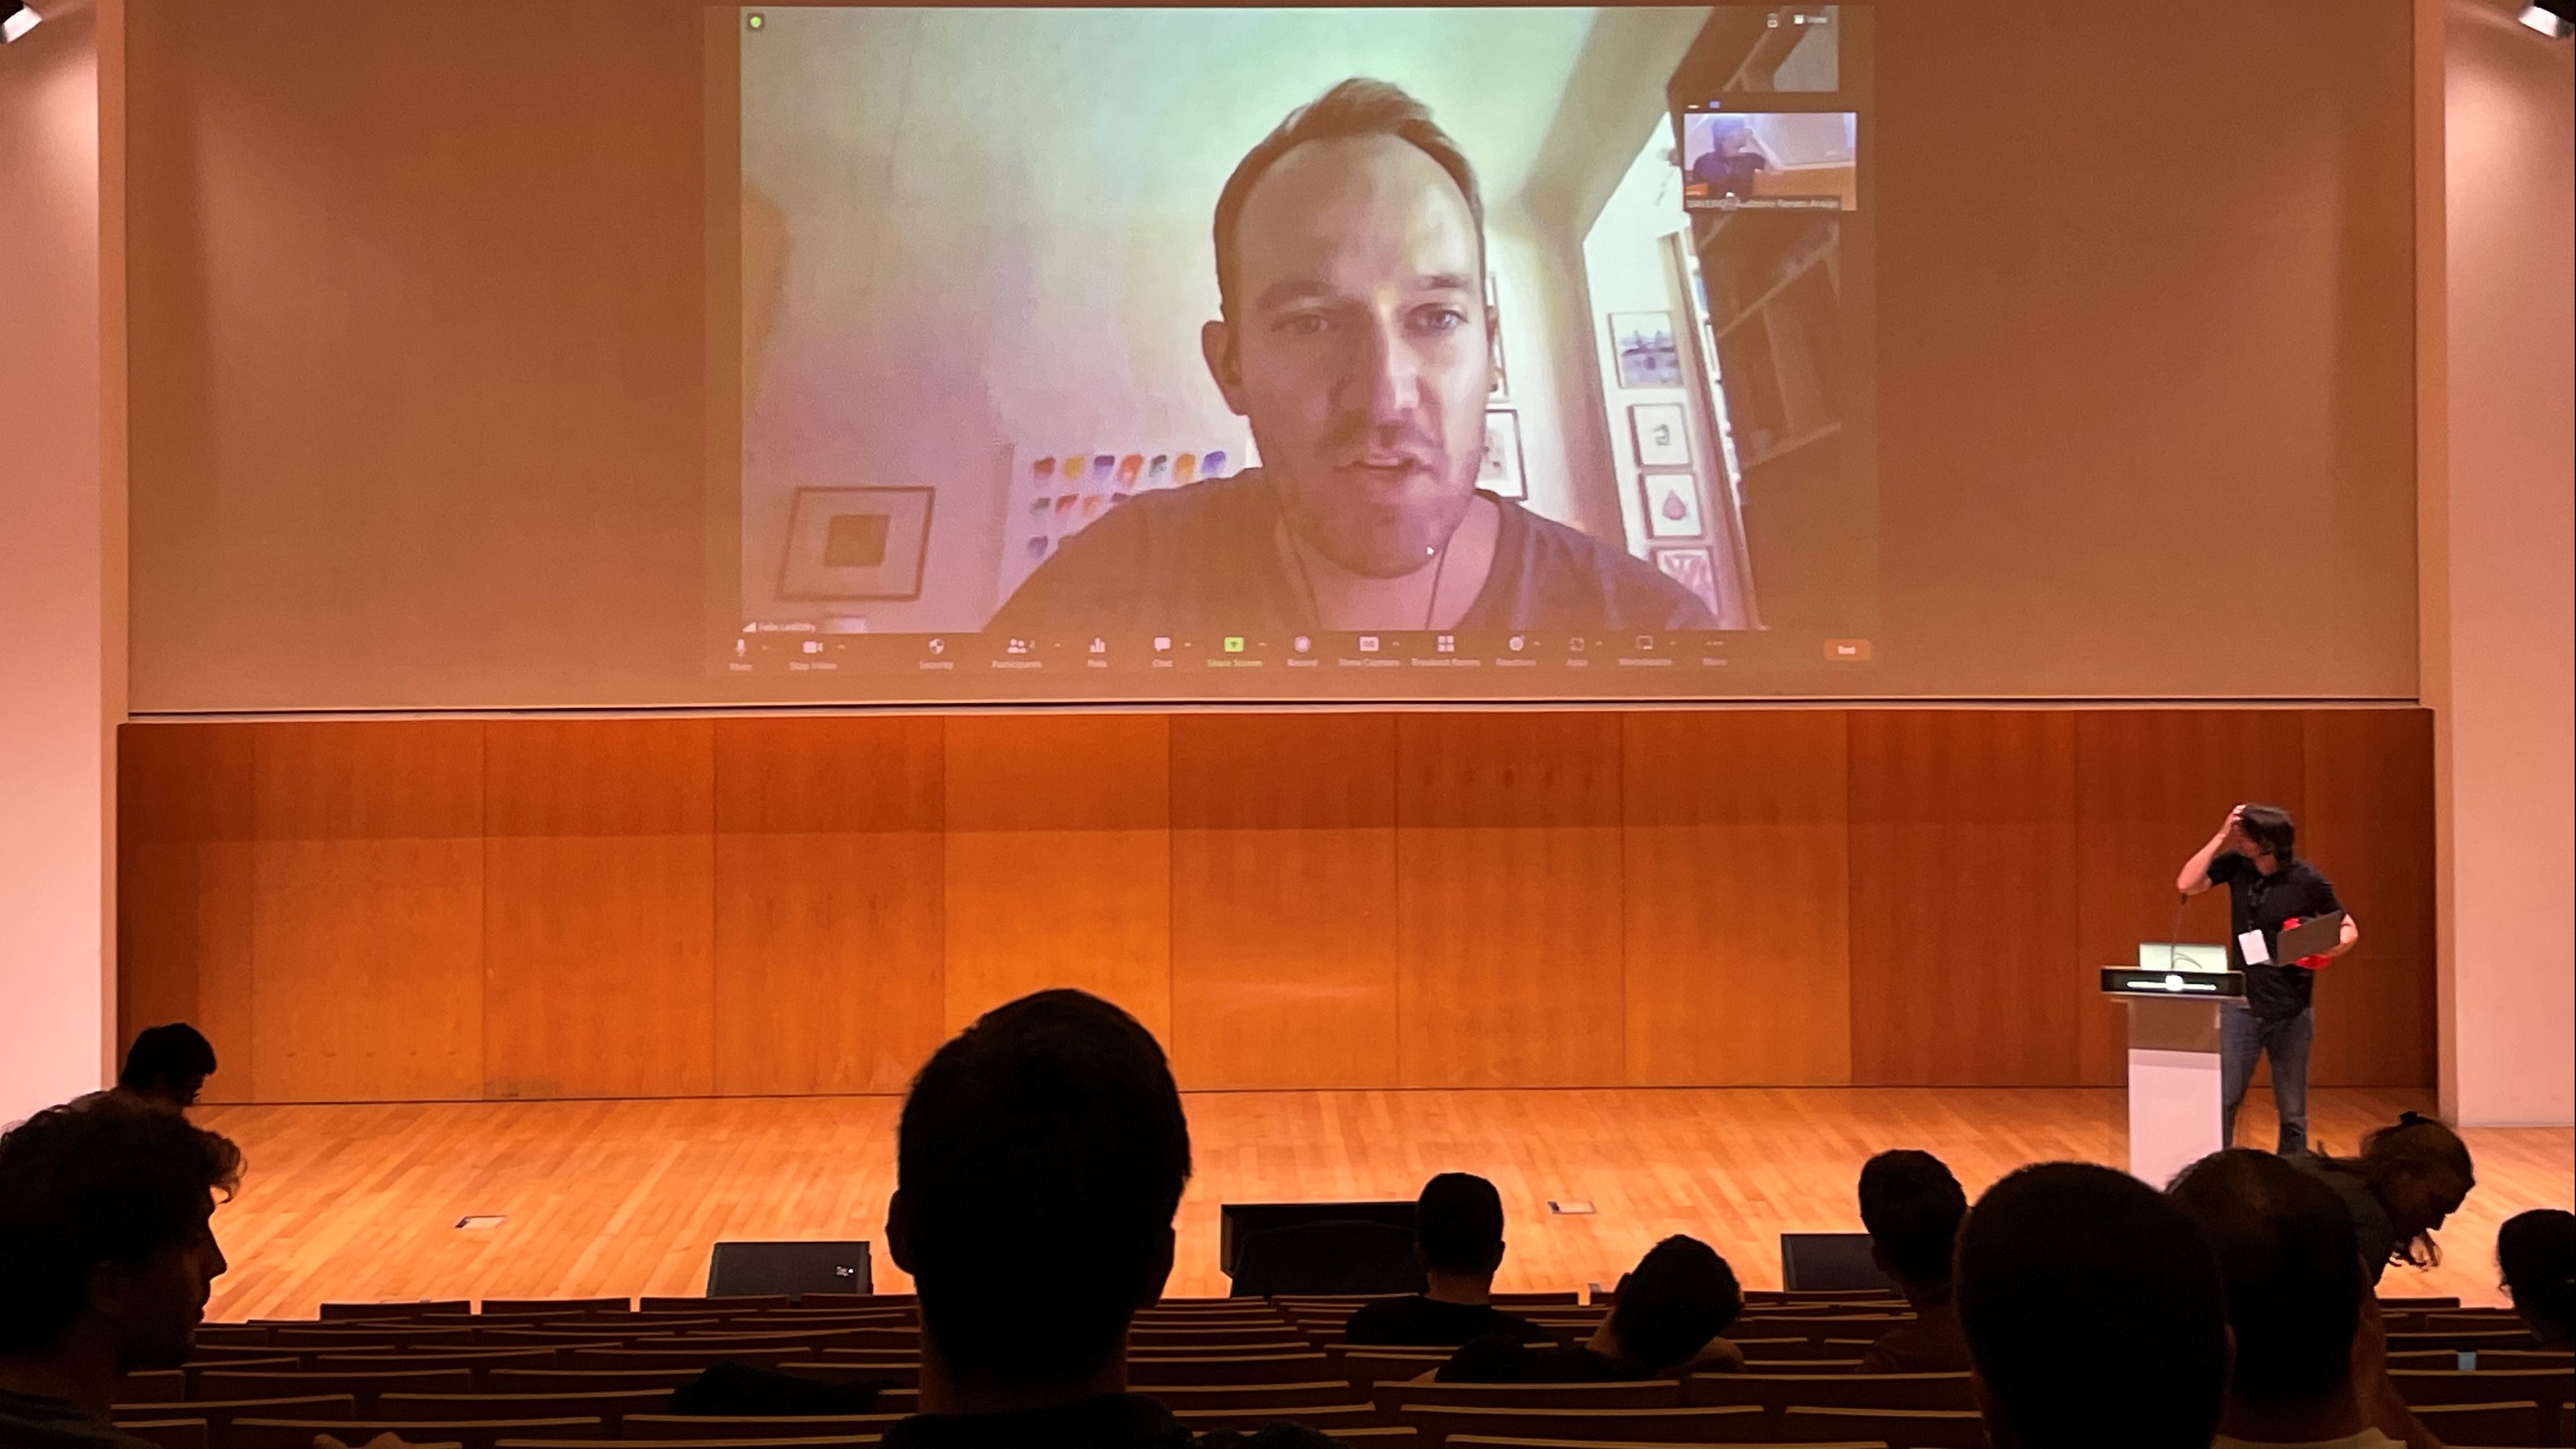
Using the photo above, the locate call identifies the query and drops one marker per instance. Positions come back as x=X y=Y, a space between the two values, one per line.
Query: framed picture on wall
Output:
x=1692 y=568
x=1661 y=432
x=1501 y=389
x=1648 y=355
x=1672 y=506
x=1501 y=473
x=856 y=543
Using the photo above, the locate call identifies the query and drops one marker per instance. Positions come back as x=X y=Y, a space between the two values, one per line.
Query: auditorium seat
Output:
x=1733 y=1425
x=2483 y=1386
x=2493 y=1426
x=2479 y=1339
x=766 y=1355
x=608 y=1405
x=168 y=1433
x=1365 y=1366
x=744 y=1302
x=493 y=1306
x=1149 y=1371
x=1325 y=1418
x=414 y=1308
x=857 y=1441
x=1776 y=1394
x=479 y=1360
x=549 y=1379
x=1519 y=1441
x=152 y=1386
x=220 y=1414
x=1635 y=1394
x=1895 y=1428
x=364 y=1385
x=746 y=1426
x=469 y=1433
x=1187 y=1398
x=855 y=1369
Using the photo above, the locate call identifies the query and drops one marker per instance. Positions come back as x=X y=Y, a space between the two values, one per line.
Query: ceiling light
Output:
x=2553 y=18
x=16 y=19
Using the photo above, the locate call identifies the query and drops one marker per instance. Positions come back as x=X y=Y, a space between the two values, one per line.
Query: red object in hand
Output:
x=2310 y=963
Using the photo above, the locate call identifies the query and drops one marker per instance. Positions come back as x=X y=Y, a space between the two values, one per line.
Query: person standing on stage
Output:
x=2269 y=888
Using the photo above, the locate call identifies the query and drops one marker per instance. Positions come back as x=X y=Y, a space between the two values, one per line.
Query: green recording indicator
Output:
x=754 y=20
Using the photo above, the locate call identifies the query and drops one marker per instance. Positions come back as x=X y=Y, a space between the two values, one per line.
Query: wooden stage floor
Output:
x=361 y=1202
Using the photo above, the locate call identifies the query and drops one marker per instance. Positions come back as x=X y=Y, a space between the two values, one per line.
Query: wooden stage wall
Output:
x=425 y=909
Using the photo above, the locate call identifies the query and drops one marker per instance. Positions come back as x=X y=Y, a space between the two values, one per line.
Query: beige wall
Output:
x=2500 y=635
x=54 y=573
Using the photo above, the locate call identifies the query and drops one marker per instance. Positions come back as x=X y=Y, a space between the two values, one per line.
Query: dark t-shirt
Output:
x=2371 y=1227
x=1423 y=1322
x=1118 y=1421
x=30 y=1422
x=2296 y=891
x=1502 y=1358
x=1206 y=557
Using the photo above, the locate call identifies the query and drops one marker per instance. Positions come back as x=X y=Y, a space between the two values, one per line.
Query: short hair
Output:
x=2094 y=1312
x=2292 y=1261
x=2536 y=1253
x=1678 y=1297
x=1458 y=1221
x=2270 y=827
x=1912 y=1205
x=100 y=1179
x=163 y=1055
x=1353 y=108
x=1040 y=1158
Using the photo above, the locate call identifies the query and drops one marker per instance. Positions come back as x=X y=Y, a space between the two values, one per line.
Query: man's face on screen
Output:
x=1359 y=350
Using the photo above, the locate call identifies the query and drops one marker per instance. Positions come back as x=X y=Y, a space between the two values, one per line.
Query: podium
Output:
x=2176 y=1105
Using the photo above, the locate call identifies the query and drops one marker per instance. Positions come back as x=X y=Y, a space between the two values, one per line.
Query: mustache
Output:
x=1351 y=439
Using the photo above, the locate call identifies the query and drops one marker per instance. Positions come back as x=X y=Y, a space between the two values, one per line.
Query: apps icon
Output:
x=1575 y=644
x=1233 y=643
x=1368 y=643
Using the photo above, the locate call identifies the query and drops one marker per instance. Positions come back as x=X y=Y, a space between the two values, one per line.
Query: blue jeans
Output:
x=2243 y=1040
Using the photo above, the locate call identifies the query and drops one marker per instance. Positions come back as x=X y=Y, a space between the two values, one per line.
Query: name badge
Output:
x=2250 y=946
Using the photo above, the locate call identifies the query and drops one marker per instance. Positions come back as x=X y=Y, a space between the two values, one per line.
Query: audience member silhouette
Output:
x=2536 y=1253
x=2407 y=1181
x=2094 y=1311
x=107 y=1253
x=2305 y=1371
x=1039 y=1161
x=1458 y=1234
x=168 y=1065
x=1671 y=1309
x=1912 y=1206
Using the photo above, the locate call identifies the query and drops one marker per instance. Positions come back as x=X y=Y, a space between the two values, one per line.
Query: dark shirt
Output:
x=30 y=1422
x=1932 y=1344
x=1206 y=557
x=1118 y=1421
x=1502 y=1358
x=2296 y=891
x=2370 y=1223
x=1428 y=1323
